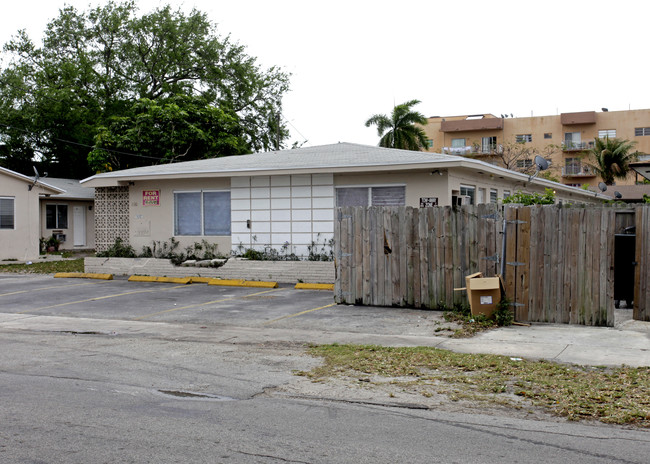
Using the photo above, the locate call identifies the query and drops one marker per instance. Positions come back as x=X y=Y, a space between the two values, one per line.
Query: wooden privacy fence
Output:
x=559 y=260
x=642 y=268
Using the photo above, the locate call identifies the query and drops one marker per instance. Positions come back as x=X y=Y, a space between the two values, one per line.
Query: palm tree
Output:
x=612 y=158
x=399 y=130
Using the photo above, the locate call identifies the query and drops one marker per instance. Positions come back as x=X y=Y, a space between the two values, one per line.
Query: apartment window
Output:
x=506 y=194
x=522 y=138
x=7 y=213
x=641 y=131
x=524 y=163
x=457 y=143
x=548 y=135
x=371 y=196
x=470 y=191
x=572 y=166
x=609 y=133
x=56 y=216
x=493 y=196
x=430 y=143
x=202 y=213
x=488 y=144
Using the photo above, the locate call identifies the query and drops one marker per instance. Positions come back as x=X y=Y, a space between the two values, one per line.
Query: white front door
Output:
x=79 y=228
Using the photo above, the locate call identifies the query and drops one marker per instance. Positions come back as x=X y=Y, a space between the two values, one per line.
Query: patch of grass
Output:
x=615 y=396
x=48 y=267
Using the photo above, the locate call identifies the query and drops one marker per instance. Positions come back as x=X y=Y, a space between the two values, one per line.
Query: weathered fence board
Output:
x=560 y=259
x=642 y=271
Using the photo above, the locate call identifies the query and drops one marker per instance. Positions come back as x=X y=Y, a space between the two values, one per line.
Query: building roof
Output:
x=73 y=190
x=629 y=193
x=642 y=167
x=334 y=158
x=46 y=188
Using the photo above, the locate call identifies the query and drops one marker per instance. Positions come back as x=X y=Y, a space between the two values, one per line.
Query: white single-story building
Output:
x=19 y=215
x=69 y=216
x=286 y=199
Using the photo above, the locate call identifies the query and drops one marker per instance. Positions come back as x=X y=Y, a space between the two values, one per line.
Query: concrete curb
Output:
x=83 y=275
x=306 y=286
x=242 y=283
x=200 y=280
x=170 y=280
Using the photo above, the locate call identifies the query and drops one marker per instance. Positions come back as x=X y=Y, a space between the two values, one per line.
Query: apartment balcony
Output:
x=474 y=150
x=464 y=125
x=583 y=117
x=461 y=151
x=577 y=146
x=577 y=171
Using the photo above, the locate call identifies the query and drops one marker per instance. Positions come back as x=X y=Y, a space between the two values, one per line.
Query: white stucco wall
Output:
x=21 y=242
x=156 y=223
x=89 y=214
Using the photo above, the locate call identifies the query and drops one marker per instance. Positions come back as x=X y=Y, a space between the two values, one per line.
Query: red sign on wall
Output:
x=151 y=198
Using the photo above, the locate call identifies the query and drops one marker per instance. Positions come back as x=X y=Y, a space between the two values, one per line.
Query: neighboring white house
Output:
x=69 y=216
x=19 y=215
x=288 y=198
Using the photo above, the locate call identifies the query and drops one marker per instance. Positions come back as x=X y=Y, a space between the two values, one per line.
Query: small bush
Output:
x=119 y=249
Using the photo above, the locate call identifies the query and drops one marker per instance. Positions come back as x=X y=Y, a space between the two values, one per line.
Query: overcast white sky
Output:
x=351 y=59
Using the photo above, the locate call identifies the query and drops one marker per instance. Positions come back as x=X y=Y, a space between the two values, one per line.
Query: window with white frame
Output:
x=371 y=196
x=607 y=133
x=469 y=191
x=457 y=143
x=524 y=163
x=7 y=213
x=521 y=138
x=493 y=195
x=204 y=212
x=56 y=216
x=430 y=143
x=488 y=144
x=641 y=131
x=506 y=194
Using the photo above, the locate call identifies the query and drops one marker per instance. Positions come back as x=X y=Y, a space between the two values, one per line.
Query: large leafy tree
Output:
x=97 y=70
x=401 y=129
x=611 y=158
x=173 y=129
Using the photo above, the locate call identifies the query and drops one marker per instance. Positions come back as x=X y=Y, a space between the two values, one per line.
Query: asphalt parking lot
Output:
x=283 y=307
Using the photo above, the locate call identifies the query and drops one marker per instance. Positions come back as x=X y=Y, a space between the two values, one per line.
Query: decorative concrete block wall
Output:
x=291 y=211
x=278 y=271
x=111 y=216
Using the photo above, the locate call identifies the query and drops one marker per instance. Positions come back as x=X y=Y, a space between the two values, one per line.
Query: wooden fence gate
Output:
x=559 y=260
x=642 y=269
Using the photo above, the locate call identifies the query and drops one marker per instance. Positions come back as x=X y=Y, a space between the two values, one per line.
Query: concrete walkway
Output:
x=626 y=344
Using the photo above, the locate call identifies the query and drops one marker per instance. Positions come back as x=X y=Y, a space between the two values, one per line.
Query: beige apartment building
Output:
x=562 y=139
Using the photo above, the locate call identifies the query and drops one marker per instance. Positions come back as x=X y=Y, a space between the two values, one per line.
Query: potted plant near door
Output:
x=52 y=244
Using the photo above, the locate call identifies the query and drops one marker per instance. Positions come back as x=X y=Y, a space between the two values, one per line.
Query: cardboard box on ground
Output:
x=483 y=293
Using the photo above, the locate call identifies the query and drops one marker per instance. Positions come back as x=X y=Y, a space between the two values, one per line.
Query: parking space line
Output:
x=204 y=304
x=49 y=288
x=288 y=316
x=99 y=298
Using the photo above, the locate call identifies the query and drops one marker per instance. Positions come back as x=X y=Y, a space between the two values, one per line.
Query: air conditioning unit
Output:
x=60 y=237
x=463 y=200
